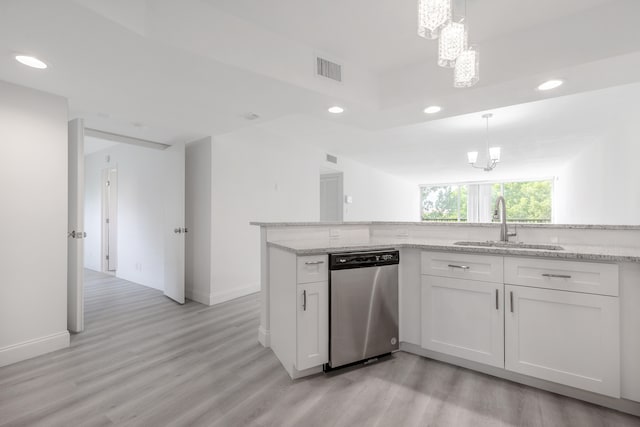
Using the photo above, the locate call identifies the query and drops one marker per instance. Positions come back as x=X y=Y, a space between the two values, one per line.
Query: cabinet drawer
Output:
x=485 y=268
x=312 y=269
x=586 y=277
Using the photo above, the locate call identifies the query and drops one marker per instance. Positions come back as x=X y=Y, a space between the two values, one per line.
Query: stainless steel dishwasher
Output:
x=363 y=306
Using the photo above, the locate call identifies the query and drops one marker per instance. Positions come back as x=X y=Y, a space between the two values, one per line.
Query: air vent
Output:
x=328 y=69
x=332 y=159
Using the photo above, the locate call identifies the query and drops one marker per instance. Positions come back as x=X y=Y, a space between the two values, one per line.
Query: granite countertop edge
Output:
x=563 y=254
x=445 y=224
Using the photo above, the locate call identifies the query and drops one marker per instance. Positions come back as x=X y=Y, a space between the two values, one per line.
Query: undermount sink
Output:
x=513 y=245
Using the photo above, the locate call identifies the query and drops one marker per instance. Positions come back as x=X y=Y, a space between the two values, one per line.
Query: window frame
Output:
x=459 y=184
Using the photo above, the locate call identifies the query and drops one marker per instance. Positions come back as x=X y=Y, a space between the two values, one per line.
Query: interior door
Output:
x=173 y=189
x=75 y=246
x=331 y=197
x=112 y=218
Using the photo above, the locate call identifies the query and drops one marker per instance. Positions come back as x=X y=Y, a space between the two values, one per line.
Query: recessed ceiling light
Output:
x=251 y=116
x=336 y=109
x=30 y=61
x=433 y=109
x=550 y=84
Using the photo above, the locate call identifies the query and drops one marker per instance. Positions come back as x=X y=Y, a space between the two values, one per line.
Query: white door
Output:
x=174 y=229
x=463 y=318
x=331 y=206
x=75 y=247
x=565 y=337
x=312 y=325
x=110 y=219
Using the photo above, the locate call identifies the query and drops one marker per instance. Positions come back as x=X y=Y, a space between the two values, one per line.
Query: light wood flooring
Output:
x=144 y=360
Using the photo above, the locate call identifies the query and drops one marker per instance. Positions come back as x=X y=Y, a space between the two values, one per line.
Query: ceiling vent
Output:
x=328 y=69
x=332 y=159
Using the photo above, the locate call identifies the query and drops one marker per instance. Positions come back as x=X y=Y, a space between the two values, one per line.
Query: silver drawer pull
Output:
x=557 y=276
x=313 y=262
x=464 y=267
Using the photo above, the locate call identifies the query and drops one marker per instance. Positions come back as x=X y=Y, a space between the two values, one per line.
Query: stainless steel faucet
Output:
x=500 y=212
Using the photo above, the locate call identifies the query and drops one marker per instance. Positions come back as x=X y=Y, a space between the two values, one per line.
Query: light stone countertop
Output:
x=570 y=252
x=449 y=224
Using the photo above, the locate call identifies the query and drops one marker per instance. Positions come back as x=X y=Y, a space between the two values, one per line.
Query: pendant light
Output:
x=493 y=153
x=433 y=15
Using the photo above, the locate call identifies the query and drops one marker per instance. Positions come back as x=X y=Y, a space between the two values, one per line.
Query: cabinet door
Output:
x=565 y=337
x=463 y=318
x=312 y=325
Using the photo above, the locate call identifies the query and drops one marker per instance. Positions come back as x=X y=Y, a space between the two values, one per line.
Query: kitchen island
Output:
x=562 y=320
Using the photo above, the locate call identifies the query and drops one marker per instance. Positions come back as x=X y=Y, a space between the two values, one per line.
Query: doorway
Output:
x=331 y=195
x=109 y=220
x=142 y=242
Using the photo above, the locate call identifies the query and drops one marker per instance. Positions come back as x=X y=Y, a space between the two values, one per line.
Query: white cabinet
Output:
x=299 y=314
x=312 y=325
x=555 y=320
x=463 y=318
x=566 y=337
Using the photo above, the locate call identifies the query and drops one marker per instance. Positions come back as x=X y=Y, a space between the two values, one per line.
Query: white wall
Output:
x=140 y=212
x=33 y=247
x=599 y=185
x=256 y=176
x=198 y=220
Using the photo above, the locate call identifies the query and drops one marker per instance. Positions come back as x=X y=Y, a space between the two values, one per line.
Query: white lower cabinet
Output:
x=312 y=325
x=463 y=318
x=565 y=337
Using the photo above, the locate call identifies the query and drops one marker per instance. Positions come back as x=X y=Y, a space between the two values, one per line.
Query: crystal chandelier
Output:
x=432 y=16
x=466 y=71
x=435 y=20
x=493 y=153
x=453 y=41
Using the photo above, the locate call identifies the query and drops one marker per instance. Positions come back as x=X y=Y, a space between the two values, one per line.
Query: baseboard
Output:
x=622 y=405
x=196 y=296
x=32 y=348
x=264 y=337
x=220 y=297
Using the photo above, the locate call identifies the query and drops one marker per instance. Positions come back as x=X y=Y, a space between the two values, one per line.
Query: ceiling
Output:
x=537 y=138
x=381 y=35
x=173 y=71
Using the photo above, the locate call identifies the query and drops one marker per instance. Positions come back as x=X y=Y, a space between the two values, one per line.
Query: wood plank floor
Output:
x=144 y=360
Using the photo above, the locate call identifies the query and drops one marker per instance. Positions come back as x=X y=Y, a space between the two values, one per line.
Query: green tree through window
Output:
x=444 y=203
x=528 y=201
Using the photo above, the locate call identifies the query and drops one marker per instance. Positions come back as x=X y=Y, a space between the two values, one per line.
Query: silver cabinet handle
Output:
x=464 y=267
x=557 y=276
x=313 y=262
x=511 y=300
x=304 y=300
x=497 y=303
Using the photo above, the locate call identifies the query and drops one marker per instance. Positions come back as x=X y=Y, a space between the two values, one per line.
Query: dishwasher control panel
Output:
x=345 y=260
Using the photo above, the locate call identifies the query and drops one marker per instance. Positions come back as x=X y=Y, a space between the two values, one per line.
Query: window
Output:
x=526 y=201
x=444 y=203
